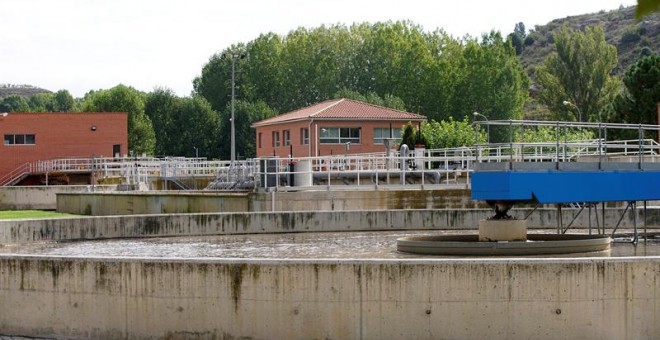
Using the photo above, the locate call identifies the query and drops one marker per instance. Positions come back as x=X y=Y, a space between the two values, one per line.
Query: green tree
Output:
x=646 y=7
x=389 y=101
x=141 y=136
x=517 y=42
x=492 y=82
x=183 y=126
x=431 y=72
x=41 y=102
x=517 y=37
x=637 y=104
x=520 y=30
x=451 y=133
x=409 y=135
x=201 y=128
x=160 y=106
x=63 y=101
x=549 y=134
x=14 y=104
x=262 y=72
x=580 y=73
x=245 y=114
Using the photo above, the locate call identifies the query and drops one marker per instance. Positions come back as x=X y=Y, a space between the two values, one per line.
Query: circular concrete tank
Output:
x=341 y=285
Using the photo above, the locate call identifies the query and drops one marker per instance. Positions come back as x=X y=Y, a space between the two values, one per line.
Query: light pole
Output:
x=234 y=57
x=477 y=114
x=196 y=151
x=567 y=103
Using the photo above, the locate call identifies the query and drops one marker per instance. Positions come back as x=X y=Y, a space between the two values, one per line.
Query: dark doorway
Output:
x=116 y=150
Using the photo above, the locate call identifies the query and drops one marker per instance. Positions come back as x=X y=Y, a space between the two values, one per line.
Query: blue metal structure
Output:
x=561 y=186
x=614 y=173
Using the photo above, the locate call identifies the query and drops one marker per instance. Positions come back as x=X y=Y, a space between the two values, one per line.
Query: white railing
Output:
x=436 y=167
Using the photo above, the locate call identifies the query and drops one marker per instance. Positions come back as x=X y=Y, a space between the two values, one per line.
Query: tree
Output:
x=245 y=114
x=141 y=136
x=517 y=42
x=519 y=30
x=517 y=38
x=63 y=101
x=409 y=135
x=451 y=133
x=389 y=101
x=160 y=106
x=14 y=104
x=41 y=102
x=201 y=131
x=638 y=103
x=398 y=62
x=646 y=7
x=493 y=83
x=580 y=73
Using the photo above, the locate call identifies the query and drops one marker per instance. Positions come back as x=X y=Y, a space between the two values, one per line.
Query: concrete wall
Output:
x=41 y=197
x=126 y=203
x=330 y=299
x=26 y=231
x=363 y=200
x=189 y=202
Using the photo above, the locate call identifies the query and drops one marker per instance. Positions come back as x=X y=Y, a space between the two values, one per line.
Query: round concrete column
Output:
x=502 y=230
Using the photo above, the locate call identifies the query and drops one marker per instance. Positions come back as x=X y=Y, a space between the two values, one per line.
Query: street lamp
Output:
x=567 y=103
x=477 y=114
x=234 y=57
x=196 y=151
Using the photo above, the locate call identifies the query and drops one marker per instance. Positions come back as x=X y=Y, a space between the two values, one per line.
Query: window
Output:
x=286 y=135
x=259 y=140
x=381 y=133
x=340 y=135
x=276 y=139
x=304 y=136
x=20 y=139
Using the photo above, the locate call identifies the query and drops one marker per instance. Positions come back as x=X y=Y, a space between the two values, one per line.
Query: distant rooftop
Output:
x=342 y=109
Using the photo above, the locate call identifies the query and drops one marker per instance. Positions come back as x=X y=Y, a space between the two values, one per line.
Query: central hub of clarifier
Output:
x=502 y=230
x=501 y=237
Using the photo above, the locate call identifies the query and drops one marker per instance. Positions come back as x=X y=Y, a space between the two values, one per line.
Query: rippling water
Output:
x=334 y=245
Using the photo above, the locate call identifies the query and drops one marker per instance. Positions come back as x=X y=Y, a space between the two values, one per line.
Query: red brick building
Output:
x=30 y=137
x=328 y=127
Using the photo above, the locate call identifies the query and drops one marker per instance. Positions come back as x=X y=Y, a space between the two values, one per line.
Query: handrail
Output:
x=569 y=124
x=448 y=162
x=15 y=174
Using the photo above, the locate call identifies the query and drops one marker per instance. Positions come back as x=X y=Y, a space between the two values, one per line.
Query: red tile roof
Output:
x=342 y=109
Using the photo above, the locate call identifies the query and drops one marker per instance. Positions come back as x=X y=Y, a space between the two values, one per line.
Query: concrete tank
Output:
x=307 y=284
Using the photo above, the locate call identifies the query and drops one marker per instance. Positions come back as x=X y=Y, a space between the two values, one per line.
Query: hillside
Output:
x=7 y=90
x=632 y=38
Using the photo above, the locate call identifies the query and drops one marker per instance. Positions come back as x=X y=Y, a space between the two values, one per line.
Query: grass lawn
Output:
x=15 y=214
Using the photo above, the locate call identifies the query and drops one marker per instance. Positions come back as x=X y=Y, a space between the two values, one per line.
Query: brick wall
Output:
x=366 y=144
x=62 y=135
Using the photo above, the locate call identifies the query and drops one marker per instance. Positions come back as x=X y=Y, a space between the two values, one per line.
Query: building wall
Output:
x=62 y=135
x=313 y=149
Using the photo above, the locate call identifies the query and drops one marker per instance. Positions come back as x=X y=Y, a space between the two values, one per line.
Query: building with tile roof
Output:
x=336 y=126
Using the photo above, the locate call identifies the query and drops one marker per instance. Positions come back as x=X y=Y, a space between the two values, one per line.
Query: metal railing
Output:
x=427 y=168
x=433 y=168
x=563 y=150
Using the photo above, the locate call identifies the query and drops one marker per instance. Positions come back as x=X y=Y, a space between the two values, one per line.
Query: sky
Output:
x=83 y=45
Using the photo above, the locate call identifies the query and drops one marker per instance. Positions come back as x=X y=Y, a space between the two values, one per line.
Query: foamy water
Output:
x=332 y=245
